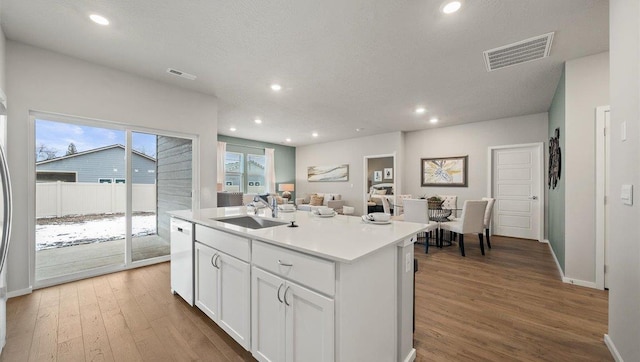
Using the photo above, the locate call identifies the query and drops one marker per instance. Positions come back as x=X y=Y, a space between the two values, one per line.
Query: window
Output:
x=255 y=174
x=233 y=171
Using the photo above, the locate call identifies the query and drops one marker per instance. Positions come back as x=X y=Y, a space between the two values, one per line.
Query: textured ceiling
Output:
x=342 y=64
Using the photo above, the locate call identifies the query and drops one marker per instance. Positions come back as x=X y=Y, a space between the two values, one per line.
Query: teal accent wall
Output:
x=556 y=204
x=285 y=157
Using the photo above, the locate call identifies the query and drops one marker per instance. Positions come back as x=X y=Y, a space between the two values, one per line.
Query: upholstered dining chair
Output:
x=415 y=210
x=470 y=222
x=488 y=215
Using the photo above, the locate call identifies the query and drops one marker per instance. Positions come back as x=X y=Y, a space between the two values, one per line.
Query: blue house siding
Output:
x=107 y=163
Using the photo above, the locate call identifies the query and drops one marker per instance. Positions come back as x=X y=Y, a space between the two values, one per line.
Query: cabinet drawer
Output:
x=316 y=273
x=233 y=245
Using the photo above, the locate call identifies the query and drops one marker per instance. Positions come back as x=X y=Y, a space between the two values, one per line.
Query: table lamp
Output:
x=286 y=190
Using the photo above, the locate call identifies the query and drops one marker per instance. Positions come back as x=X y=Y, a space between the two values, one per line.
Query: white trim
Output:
x=578 y=282
x=128 y=211
x=556 y=260
x=411 y=356
x=19 y=292
x=541 y=198
x=612 y=348
x=601 y=183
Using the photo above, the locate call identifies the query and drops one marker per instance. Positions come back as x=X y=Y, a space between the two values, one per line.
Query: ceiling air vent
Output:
x=181 y=74
x=521 y=52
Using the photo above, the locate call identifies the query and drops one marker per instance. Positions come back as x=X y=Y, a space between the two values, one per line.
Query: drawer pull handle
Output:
x=285 y=296
x=280 y=287
x=284 y=264
x=180 y=229
x=215 y=257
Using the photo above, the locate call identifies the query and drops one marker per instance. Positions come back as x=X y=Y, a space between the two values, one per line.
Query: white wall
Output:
x=624 y=245
x=587 y=87
x=41 y=80
x=351 y=152
x=471 y=139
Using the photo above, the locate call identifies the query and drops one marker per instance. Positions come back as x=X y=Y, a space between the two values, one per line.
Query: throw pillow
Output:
x=307 y=199
x=380 y=192
x=316 y=200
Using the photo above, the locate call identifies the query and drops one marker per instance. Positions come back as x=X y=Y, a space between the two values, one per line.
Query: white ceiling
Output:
x=344 y=64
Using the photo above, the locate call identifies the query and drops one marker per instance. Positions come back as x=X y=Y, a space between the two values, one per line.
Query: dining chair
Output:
x=400 y=202
x=415 y=210
x=488 y=215
x=471 y=222
x=386 y=208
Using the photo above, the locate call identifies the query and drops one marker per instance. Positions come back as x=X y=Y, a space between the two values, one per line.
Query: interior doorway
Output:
x=602 y=194
x=379 y=181
x=516 y=182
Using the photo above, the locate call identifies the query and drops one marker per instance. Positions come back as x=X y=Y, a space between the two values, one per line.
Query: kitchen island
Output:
x=332 y=289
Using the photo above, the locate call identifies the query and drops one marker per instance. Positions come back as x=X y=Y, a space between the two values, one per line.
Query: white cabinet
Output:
x=182 y=259
x=223 y=291
x=290 y=322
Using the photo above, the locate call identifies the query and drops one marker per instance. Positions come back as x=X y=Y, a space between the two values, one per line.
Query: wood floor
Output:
x=508 y=305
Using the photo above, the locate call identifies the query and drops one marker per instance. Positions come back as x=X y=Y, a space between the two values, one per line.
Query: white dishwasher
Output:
x=182 y=259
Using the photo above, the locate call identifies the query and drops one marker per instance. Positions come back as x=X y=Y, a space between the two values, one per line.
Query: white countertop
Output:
x=339 y=238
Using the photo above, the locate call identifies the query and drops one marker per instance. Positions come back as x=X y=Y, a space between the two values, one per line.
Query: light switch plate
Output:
x=626 y=194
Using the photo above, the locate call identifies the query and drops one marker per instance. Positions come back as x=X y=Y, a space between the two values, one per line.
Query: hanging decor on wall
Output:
x=328 y=173
x=444 y=171
x=377 y=176
x=555 y=159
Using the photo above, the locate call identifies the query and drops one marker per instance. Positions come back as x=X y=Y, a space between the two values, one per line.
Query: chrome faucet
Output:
x=273 y=206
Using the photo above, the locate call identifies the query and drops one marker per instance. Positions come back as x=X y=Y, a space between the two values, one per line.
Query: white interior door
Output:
x=516 y=186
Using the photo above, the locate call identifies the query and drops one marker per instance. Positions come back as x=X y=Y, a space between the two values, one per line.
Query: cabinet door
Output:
x=207 y=280
x=235 y=298
x=267 y=316
x=309 y=325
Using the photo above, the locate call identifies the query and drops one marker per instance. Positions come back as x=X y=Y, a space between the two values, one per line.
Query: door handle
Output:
x=533 y=197
x=280 y=287
x=285 y=296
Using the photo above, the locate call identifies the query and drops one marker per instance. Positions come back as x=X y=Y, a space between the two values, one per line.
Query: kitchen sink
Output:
x=251 y=222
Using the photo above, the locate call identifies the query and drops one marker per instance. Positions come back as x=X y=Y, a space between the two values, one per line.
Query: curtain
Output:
x=222 y=149
x=270 y=171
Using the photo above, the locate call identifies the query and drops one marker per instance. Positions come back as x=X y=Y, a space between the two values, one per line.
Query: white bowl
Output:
x=379 y=216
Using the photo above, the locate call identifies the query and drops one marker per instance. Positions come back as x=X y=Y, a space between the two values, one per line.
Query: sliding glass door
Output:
x=102 y=193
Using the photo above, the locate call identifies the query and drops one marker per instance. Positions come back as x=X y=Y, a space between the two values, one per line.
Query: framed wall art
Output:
x=377 y=176
x=328 y=173
x=388 y=173
x=444 y=171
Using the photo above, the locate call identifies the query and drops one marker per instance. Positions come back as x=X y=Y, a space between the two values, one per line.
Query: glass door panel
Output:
x=80 y=198
x=161 y=172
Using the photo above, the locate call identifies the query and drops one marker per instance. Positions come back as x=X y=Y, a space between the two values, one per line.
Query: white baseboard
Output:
x=17 y=293
x=411 y=356
x=544 y=241
x=612 y=348
x=582 y=283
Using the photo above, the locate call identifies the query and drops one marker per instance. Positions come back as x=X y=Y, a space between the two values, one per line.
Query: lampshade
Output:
x=286 y=187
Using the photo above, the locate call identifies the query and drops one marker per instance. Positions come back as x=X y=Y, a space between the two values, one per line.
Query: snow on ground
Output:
x=92 y=231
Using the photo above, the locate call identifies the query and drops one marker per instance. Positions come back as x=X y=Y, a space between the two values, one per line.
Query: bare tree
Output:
x=71 y=150
x=44 y=152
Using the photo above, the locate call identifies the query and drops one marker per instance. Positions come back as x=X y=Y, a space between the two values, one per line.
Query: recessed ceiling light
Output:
x=232 y=129
x=433 y=120
x=359 y=129
x=451 y=7
x=99 y=19
x=420 y=110
x=314 y=134
x=258 y=121
x=288 y=140
x=276 y=87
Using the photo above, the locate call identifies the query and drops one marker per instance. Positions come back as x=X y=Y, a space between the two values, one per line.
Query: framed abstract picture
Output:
x=328 y=173
x=444 y=171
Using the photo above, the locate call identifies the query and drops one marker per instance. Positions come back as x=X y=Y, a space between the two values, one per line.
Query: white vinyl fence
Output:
x=79 y=198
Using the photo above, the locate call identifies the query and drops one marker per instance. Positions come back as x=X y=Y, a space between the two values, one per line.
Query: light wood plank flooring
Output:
x=508 y=305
